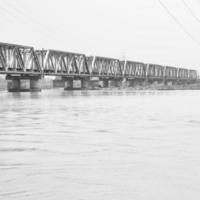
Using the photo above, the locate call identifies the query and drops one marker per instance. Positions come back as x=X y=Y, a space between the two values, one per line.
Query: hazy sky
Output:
x=140 y=30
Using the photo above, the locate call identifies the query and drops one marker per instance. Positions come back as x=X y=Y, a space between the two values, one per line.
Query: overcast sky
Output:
x=140 y=30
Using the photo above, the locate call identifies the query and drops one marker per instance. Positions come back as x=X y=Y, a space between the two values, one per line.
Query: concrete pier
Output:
x=115 y=83
x=84 y=84
x=23 y=84
x=130 y=83
x=58 y=83
x=35 y=84
x=68 y=84
x=90 y=83
x=13 y=85
x=105 y=83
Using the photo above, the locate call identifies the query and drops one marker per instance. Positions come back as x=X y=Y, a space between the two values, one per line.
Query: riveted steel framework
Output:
x=102 y=66
x=60 y=62
x=155 y=71
x=170 y=73
x=134 y=69
x=19 y=59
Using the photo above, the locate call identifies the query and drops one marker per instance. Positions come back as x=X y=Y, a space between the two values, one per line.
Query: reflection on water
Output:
x=106 y=144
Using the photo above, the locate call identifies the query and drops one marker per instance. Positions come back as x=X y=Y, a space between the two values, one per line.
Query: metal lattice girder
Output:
x=170 y=72
x=155 y=71
x=104 y=66
x=140 y=70
x=90 y=63
x=18 y=58
x=193 y=74
x=54 y=61
x=183 y=73
x=135 y=69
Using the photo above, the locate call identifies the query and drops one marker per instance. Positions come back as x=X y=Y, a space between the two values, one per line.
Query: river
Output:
x=100 y=145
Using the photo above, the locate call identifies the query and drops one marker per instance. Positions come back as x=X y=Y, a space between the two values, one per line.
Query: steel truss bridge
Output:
x=26 y=61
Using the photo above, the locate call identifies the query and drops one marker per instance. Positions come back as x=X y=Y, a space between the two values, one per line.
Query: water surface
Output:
x=100 y=145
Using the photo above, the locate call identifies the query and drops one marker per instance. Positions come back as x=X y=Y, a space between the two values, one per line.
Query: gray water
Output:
x=100 y=145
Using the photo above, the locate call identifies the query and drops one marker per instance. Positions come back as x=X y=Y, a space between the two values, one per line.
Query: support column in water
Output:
x=23 y=83
x=13 y=84
x=68 y=84
x=58 y=83
x=130 y=83
x=105 y=83
x=84 y=83
x=90 y=83
x=35 y=84
x=115 y=83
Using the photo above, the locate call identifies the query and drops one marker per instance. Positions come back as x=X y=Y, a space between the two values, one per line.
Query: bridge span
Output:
x=24 y=64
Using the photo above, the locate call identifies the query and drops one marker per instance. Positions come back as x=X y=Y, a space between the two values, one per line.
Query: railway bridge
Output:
x=24 y=68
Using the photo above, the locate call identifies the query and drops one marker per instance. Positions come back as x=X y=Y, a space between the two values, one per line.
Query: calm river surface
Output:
x=100 y=145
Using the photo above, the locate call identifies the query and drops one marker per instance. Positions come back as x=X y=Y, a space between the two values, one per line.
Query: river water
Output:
x=100 y=145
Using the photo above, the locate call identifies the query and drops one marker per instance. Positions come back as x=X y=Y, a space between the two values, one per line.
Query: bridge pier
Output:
x=105 y=83
x=90 y=83
x=13 y=85
x=84 y=84
x=130 y=83
x=81 y=83
x=124 y=83
x=35 y=84
x=115 y=83
x=135 y=82
x=170 y=82
x=58 y=83
x=23 y=84
x=155 y=83
x=68 y=84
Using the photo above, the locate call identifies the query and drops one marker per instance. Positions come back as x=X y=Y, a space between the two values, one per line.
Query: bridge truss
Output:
x=19 y=59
